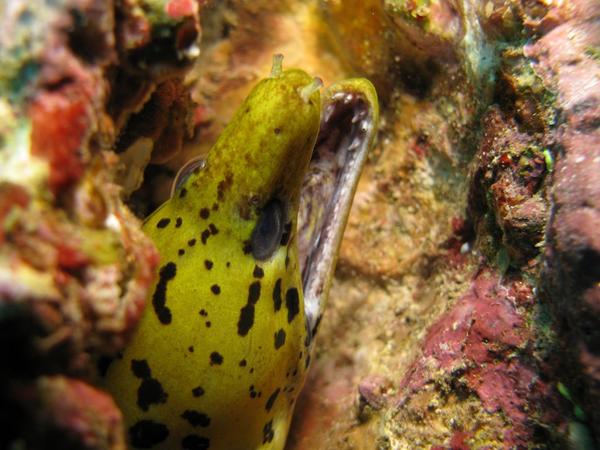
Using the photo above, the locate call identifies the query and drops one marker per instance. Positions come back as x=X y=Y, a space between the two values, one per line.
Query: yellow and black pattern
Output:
x=220 y=354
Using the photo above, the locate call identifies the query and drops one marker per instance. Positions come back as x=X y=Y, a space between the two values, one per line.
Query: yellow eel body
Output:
x=224 y=344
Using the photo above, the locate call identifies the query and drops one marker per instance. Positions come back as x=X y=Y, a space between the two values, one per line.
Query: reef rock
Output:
x=75 y=268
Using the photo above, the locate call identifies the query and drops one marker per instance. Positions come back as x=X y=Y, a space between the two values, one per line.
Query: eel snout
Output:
x=348 y=125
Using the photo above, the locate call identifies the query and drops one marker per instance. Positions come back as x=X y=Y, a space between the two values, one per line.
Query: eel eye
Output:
x=194 y=165
x=266 y=236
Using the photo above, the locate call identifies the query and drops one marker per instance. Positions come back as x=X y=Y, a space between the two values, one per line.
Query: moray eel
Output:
x=223 y=348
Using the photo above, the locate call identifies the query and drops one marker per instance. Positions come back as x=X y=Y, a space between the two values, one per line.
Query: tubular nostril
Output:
x=277 y=66
x=308 y=90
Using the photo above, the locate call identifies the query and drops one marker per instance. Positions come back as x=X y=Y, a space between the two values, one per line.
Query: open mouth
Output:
x=346 y=133
x=347 y=129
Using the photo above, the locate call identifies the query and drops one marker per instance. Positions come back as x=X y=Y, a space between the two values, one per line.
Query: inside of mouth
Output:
x=341 y=137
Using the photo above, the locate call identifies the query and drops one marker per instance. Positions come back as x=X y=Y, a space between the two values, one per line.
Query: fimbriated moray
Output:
x=248 y=242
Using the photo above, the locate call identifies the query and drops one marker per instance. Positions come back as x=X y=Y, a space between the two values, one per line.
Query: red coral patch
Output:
x=11 y=196
x=59 y=124
x=176 y=9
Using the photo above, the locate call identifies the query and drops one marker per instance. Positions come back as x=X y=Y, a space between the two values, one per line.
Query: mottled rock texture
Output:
x=567 y=59
x=476 y=376
x=75 y=268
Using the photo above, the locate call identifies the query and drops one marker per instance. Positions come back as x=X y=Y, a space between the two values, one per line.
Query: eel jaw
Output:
x=348 y=126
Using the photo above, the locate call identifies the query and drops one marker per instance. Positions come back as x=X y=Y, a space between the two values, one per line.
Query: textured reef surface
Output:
x=75 y=268
x=465 y=313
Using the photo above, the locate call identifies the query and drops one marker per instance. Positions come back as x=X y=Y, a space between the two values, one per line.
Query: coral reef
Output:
x=465 y=310
x=75 y=267
x=476 y=378
x=62 y=412
x=571 y=273
x=485 y=350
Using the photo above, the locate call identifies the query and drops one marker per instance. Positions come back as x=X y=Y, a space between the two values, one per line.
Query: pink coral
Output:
x=481 y=343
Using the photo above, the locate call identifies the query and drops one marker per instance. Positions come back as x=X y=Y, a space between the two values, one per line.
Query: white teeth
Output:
x=328 y=112
x=359 y=116
x=365 y=126
x=355 y=143
x=348 y=98
x=340 y=157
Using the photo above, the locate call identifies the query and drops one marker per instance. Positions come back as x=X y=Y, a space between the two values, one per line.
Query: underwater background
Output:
x=465 y=308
